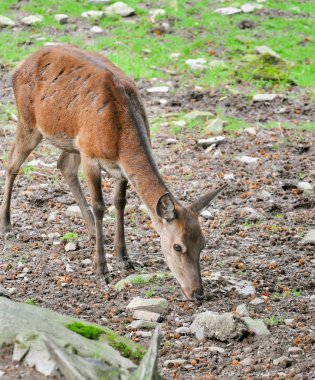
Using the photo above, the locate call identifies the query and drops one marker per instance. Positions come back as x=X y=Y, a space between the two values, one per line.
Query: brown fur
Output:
x=86 y=106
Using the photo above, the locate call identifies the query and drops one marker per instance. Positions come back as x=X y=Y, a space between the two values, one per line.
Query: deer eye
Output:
x=177 y=248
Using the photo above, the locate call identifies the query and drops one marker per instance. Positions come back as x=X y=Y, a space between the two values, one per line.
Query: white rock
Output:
x=256 y=326
x=228 y=176
x=247 y=159
x=250 y=214
x=6 y=21
x=144 y=334
x=86 y=262
x=93 y=14
x=143 y=208
x=288 y=321
x=228 y=11
x=120 y=9
x=283 y=361
x=171 y=141
x=96 y=29
x=217 y=140
x=154 y=90
x=61 y=18
x=256 y=301
x=196 y=64
x=216 y=154
x=248 y=8
x=147 y=316
x=215 y=126
x=50 y=43
x=246 y=362
x=175 y=55
x=309 y=238
x=264 y=194
x=206 y=214
x=163 y=102
x=52 y=217
x=295 y=351
x=74 y=211
x=305 y=187
x=251 y=131
x=220 y=350
x=183 y=330
x=242 y=310
x=264 y=97
x=69 y=268
x=31 y=20
x=179 y=123
x=71 y=246
x=156 y=305
x=111 y=211
x=266 y=50
x=1 y=373
x=142 y=324
x=174 y=363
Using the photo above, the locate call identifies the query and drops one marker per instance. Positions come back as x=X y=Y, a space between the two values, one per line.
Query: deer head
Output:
x=182 y=240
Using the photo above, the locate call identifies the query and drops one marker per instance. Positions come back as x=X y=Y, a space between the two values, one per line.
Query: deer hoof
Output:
x=105 y=278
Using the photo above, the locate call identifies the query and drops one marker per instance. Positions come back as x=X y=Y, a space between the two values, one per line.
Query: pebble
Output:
x=196 y=64
x=246 y=362
x=171 y=141
x=264 y=97
x=228 y=176
x=264 y=194
x=93 y=14
x=215 y=126
x=256 y=326
x=266 y=50
x=147 y=316
x=52 y=217
x=217 y=140
x=227 y=11
x=183 y=330
x=86 y=262
x=247 y=160
x=144 y=334
x=220 y=350
x=206 y=214
x=71 y=246
x=74 y=211
x=306 y=187
x=155 y=305
x=309 y=238
x=295 y=351
x=251 y=131
x=61 y=18
x=174 y=363
x=288 y=322
x=256 y=301
x=283 y=361
x=96 y=29
x=242 y=310
x=31 y=20
x=6 y=21
x=250 y=214
x=154 y=90
x=120 y=8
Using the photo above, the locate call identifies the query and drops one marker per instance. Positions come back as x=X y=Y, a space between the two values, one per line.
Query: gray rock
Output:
x=242 y=310
x=295 y=351
x=223 y=327
x=217 y=140
x=288 y=321
x=71 y=246
x=4 y=292
x=1 y=373
x=143 y=208
x=74 y=211
x=309 y=238
x=147 y=316
x=97 y=15
x=264 y=194
x=312 y=298
x=220 y=350
x=215 y=126
x=246 y=362
x=306 y=188
x=86 y=262
x=174 y=363
x=6 y=21
x=144 y=334
x=248 y=160
x=183 y=330
x=96 y=29
x=250 y=214
x=206 y=214
x=266 y=50
x=264 y=97
x=154 y=90
x=171 y=141
x=120 y=9
x=256 y=326
x=228 y=176
x=256 y=301
x=201 y=333
x=142 y=324
x=31 y=20
x=283 y=361
x=156 y=305
x=178 y=123
x=198 y=116
x=227 y=11
x=61 y=18
x=196 y=64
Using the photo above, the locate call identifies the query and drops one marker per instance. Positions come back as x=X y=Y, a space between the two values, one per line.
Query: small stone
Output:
x=163 y=102
x=74 y=211
x=246 y=362
x=144 y=334
x=120 y=9
x=216 y=154
x=71 y=246
x=228 y=176
x=174 y=363
x=111 y=211
x=256 y=301
x=306 y=188
x=196 y=64
x=256 y=326
x=86 y=262
x=264 y=97
x=183 y=330
x=12 y=291
x=52 y=217
x=6 y=21
x=309 y=238
x=228 y=11
x=147 y=316
x=220 y=350
x=242 y=310
x=251 y=131
x=1 y=373
x=250 y=214
x=96 y=29
x=154 y=90
x=156 y=305
x=312 y=298
x=295 y=351
x=247 y=160
x=142 y=324
x=215 y=126
x=266 y=50
x=206 y=214
x=217 y=140
x=283 y=361
x=171 y=141
x=69 y=268
x=61 y=18
x=93 y=14
x=129 y=209
x=264 y=194
x=289 y=321
x=179 y=123
x=31 y=20
x=198 y=116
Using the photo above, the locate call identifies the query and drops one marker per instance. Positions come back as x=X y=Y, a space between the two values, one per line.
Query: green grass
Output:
x=30 y=301
x=88 y=331
x=274 y=321
x=69 y=236
x=287 y=294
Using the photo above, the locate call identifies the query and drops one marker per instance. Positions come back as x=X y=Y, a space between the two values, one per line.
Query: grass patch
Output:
x=287 y=294
x=274 y=321
x=88 y=331
x=30 y=301
x=69 y=236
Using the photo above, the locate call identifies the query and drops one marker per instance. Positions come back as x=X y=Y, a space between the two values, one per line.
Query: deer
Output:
x=87 y=107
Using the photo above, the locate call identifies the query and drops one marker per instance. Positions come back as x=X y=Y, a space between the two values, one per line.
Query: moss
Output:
x=88 y=331
x=264 y=67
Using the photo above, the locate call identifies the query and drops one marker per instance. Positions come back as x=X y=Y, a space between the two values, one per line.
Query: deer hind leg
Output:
x=68 y=163
x=93 y=177
x=119 y=243
x=26 y=141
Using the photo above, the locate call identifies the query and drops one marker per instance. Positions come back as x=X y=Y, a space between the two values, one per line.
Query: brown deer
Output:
x=86 y=106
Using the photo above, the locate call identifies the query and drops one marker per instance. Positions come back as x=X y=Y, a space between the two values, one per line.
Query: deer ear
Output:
x=203 y=202
x=165 y=207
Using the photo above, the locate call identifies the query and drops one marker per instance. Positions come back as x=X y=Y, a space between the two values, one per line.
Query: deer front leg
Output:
x=92 y=173
x=122 y=257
